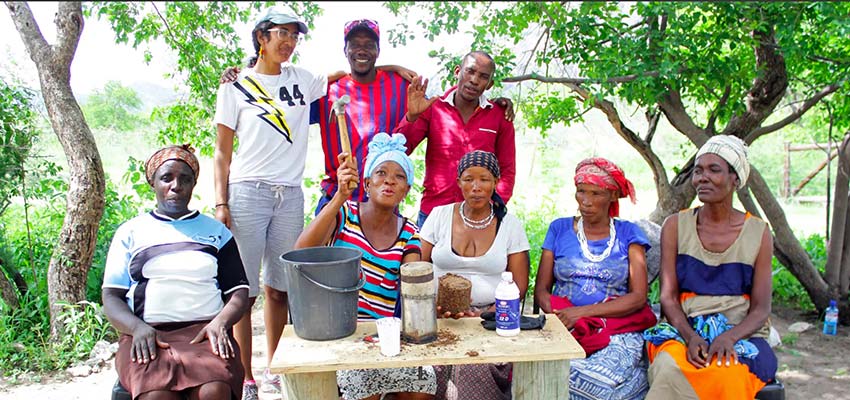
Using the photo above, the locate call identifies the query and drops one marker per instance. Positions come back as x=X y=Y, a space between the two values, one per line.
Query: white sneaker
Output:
x=271 y=382
x=249 y=391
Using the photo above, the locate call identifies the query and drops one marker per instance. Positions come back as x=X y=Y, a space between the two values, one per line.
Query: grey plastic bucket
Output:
x=323 y=286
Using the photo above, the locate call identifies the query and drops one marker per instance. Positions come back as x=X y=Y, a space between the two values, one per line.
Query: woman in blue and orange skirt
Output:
x=715 y=289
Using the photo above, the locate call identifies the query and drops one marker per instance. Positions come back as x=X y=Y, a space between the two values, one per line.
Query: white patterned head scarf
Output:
x=733 y=150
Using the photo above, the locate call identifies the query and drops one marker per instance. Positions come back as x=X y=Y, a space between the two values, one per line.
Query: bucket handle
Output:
x=354 y=288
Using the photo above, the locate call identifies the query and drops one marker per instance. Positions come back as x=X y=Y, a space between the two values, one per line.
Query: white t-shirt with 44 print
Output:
x=271 y=116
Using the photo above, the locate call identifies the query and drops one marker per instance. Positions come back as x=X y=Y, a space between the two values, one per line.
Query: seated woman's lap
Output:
x=180 y=366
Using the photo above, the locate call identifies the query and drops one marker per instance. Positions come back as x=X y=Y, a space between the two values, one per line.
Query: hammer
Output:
x=338 y=108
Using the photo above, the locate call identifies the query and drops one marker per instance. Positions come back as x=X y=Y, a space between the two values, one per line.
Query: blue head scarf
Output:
x=382 y=148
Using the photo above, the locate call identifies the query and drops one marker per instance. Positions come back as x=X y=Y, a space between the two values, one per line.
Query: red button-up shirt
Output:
x=449 y=138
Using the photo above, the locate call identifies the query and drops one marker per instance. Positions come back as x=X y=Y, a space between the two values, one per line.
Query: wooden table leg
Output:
x=310 y=386
x=541 y=380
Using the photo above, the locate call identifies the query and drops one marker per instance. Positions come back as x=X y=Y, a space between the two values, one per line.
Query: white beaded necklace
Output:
x=480 y=224
x=582 y=240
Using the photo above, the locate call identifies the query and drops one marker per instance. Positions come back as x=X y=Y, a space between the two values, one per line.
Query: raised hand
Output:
x=416 y=101
x=347 y=172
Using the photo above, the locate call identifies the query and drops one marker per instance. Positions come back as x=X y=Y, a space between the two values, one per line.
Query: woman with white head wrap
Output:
x=387 y=240
x=715 y=289
x=734 y=151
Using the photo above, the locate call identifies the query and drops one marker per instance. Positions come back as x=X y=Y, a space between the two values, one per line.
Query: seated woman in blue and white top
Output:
x=173 y=286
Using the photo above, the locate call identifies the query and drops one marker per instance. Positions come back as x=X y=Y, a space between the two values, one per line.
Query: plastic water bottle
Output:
x=507 y=306
x=830 y=322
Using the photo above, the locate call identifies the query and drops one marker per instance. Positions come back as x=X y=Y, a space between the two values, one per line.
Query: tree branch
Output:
x=767 y=89
x=808 y=104
x=579 y=81
x=793 y=256
x=673 y=108
x=24 y=21
x=69 y=28
x=652 y=118
x=536 y=45
x=709 y=127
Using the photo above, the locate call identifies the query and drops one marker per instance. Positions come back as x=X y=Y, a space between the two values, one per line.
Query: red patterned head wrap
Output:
x=183 y=153
x=605 y=174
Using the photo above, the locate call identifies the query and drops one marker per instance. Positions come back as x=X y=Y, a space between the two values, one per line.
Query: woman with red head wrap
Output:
x=592 y=274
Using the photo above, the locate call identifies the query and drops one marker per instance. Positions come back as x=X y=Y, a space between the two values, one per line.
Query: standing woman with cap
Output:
x=173 y=286
x=715 y=289
x=258 y=186
x=477 y=239
x=592 y=275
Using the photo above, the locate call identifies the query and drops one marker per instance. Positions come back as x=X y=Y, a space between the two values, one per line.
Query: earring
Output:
x=261 y=53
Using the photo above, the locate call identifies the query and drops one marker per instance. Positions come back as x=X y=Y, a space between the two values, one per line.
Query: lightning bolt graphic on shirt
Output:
x=257 y=96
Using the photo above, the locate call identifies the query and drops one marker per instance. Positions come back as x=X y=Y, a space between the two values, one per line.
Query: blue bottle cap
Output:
x=832 y=303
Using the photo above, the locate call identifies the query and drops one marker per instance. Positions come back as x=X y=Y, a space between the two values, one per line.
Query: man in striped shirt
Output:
x=378 y=103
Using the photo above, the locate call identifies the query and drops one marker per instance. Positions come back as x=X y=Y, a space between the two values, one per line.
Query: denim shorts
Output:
x=266 y=221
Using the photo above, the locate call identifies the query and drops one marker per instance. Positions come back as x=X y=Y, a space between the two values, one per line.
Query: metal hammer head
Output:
x=339 y=105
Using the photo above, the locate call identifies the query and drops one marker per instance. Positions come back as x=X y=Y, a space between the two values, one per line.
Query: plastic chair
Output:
x=773 y=391
x=119 y=393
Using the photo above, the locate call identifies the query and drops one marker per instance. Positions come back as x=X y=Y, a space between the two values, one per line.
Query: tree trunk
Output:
x=794 y=256
x=7 y=291
x=837 y=266
x=69 y=265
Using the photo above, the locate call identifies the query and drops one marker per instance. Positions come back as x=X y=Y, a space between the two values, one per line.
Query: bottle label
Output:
x=507 y=314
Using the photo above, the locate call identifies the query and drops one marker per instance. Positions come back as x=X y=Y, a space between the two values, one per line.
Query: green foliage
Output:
x=787 y=290
x=114 y=107
x=17 y=129
x=85 y=325
x=536 y=223
x=25 y=344
x=638 y=52
x=790 y=338
x=25 y=347
x=203 y=37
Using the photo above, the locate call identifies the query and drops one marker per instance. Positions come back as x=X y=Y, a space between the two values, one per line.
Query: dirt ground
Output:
x=811 y=366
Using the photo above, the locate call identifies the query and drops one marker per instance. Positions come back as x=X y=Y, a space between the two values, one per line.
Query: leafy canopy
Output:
x=205 y=40
x=640 y=51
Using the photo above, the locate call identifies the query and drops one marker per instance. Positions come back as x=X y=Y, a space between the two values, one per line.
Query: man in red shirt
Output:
x=461 y=120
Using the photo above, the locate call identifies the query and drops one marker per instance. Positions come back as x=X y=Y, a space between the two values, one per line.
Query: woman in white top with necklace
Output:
x=478 y=240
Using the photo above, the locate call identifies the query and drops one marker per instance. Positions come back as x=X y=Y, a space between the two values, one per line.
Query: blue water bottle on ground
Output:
x=830 y=321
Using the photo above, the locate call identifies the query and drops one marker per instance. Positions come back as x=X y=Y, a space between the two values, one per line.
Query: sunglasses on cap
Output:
x=368 y=23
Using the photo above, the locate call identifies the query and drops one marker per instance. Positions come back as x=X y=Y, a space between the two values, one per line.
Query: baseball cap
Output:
x=281 y=16
x=368 y=25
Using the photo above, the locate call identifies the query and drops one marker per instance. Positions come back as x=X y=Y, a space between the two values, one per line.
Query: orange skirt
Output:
x=671 y=376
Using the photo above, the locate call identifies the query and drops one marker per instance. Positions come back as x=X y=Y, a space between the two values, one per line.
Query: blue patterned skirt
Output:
x=615 y=372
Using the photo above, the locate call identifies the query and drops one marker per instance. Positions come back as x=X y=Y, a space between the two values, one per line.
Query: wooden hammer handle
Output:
x=343 y=140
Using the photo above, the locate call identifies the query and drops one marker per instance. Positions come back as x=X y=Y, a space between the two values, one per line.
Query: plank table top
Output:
x=462 y=341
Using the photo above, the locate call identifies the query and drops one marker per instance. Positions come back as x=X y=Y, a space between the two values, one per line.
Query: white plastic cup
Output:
x=389 y=335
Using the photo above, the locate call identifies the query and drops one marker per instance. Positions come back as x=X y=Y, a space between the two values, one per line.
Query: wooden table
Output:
x=540 y=357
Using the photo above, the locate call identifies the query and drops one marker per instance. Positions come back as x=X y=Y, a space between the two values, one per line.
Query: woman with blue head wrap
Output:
x=387 y=240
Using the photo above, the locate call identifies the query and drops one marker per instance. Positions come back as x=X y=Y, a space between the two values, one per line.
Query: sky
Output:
x=98 y=59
